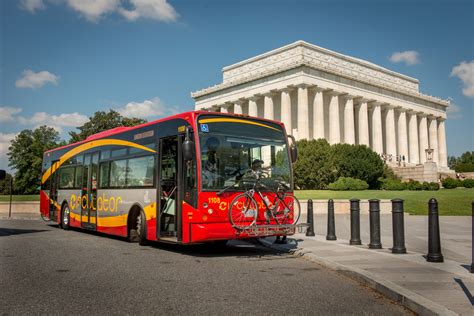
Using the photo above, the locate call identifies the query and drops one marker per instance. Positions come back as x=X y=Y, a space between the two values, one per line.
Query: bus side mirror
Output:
x=3 y=174
x=188 y=146
x=293 y=149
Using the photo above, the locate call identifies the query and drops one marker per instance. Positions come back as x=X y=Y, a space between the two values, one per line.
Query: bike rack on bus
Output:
x=267 y=230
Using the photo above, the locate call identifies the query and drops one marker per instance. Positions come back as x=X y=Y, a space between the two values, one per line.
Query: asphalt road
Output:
x=44 y=269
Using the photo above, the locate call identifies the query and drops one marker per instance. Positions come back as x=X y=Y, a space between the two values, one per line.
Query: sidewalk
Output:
x=20 y=210
x=426 y=288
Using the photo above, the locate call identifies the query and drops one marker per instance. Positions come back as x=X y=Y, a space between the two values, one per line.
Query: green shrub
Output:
x=393 y=185
x=313 y=168
x=320 y=164
x=413 y=185
x=430 y=186
x=425 y=186
x=450 y=183
x=358 y=162
x=348 y=184
x=468 y=183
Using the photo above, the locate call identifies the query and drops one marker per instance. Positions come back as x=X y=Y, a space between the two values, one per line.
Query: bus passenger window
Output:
x=104 y=174
x=141 y=171
x=78 y=177
x=66 y=178
x=118 y=170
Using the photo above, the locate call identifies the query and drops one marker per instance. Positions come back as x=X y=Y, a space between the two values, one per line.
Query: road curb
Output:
x=405 y=297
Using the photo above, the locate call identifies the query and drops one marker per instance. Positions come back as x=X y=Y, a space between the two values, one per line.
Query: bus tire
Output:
x=65 y=217
x=137 y=226
x=141 y=229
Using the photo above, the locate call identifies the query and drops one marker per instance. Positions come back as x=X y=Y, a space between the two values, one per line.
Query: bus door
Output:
x=53 y=191
x=89 y=191
x=169 y=190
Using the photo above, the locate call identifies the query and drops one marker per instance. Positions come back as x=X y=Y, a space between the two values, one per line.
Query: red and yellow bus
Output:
x=163 y=180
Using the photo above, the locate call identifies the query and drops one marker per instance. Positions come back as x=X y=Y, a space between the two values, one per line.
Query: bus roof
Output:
x=122 y=129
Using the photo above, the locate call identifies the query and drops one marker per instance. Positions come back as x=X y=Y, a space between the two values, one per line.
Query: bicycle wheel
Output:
x=243 y=211
x=287 y=210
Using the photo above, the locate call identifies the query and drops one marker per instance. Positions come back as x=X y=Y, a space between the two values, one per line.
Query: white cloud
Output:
x=465 y=72
x=453 y=110
x=409 y=57
x=32 y=5
x=34 y=80
x=55 y=121
x=159 y=10
x=147 y=108
x=93 y=10
x=7 y=113
x=5 y=139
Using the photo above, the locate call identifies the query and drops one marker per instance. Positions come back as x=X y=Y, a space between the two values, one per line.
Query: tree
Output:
x=102 y=121
x=26 y=156
x=358 y=162
x=313 y=168
x=320 y=164
x=465 y=163
x=5 y=185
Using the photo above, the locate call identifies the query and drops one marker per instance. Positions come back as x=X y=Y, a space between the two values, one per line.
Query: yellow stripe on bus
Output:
x=89 y=145
x=235 y=120
x=115 y=221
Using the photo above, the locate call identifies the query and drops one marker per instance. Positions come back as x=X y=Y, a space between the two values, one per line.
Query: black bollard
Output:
x=331 y=235
x=374 y=210
x=472 y=239
x=310 y=219
x=434 y=242
x=355 y=222
x=398 y=227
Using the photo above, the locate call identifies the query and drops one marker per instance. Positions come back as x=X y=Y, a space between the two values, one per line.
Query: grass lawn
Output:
x=19 y=198
x=451 y=202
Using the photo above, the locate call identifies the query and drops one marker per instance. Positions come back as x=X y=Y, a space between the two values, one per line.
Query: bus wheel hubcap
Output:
x=139 y=224
x=66 y=216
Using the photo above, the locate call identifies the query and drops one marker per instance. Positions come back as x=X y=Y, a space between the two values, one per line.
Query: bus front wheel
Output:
x=65 y=217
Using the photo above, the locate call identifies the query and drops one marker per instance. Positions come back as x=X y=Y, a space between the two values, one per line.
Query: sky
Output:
x=63 y=60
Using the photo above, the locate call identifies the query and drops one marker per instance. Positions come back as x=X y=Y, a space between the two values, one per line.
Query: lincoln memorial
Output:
x=319 y=93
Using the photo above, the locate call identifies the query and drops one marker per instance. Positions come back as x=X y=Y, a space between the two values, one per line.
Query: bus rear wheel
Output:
x=137 y=231
x=65 y=217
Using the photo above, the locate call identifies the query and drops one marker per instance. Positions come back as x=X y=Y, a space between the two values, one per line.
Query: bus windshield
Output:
x=229 y=146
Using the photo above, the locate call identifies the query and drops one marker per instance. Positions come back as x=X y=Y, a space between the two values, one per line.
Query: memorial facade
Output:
x=318 y=93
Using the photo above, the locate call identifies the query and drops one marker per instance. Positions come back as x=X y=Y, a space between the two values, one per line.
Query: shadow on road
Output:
x=15 y=231
x=247 y=248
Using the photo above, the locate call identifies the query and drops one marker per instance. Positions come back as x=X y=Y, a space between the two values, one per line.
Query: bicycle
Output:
x=283 y=211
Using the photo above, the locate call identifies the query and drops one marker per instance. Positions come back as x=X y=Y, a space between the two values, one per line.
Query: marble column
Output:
x=238 y=107
x=318 y=114
x=303 y=112
x=349 y=128
x=377 y=139
x=224 y=108
x=363 y=119
x=390 y=137
x=443 y=154
x=402 y=134
x=286 y=110
x=268 y=106
x=423 y=132
x=253 y=111
x=433 y=136
x=413 y=135
x=334 y=124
